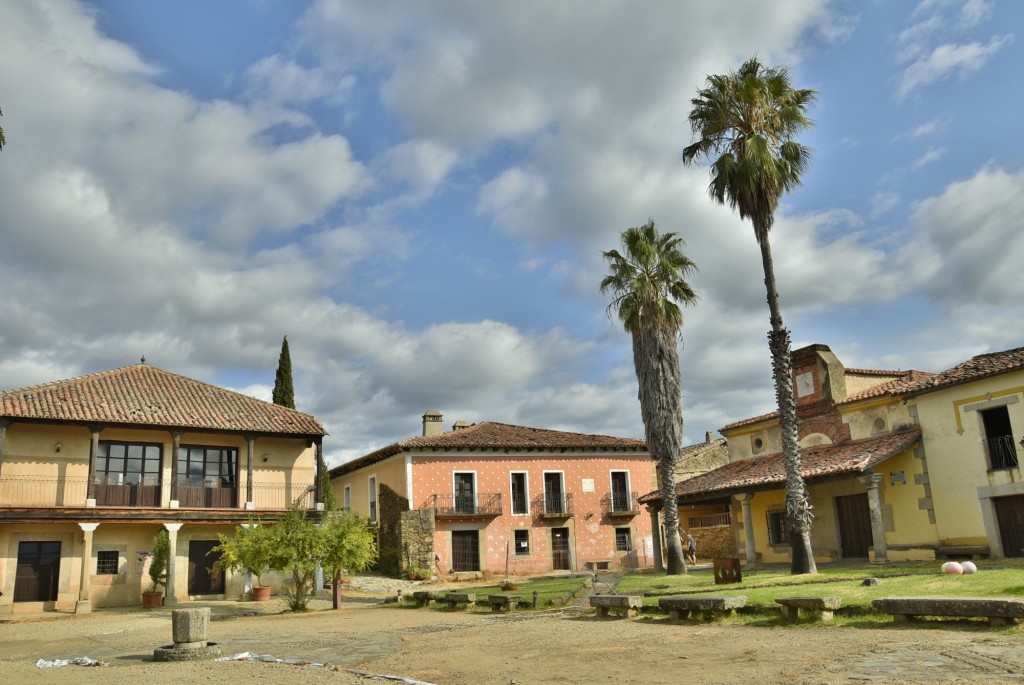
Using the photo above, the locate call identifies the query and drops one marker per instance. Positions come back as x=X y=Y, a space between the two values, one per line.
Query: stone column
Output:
x=172 y=537
x=659 y=564
x=94 y=449
x=250 y=442
x=872 y=481
x=83 y=605
x=748 y=529
x=175 y=446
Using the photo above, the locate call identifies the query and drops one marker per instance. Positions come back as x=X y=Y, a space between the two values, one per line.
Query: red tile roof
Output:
x=975 y=368
x=908 y=381
x=489 y=436
x=819 y=463
x=144 y=395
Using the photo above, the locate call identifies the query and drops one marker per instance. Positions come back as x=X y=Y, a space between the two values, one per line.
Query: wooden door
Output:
x=465 y=550
x=35 y=579
x=202 y=579
x=560 y=558
x=1010 y=518
x=854 y=526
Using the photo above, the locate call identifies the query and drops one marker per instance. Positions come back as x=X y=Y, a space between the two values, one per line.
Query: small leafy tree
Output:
x=349 y=545
x=249 y=549
x=284 y=388
x=298 y=549
x=161 y=558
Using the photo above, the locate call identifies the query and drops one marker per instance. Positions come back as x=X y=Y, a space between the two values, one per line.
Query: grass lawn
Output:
x=1001 y=577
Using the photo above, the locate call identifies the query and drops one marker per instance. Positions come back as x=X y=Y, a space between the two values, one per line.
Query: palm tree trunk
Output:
x=798 y=509
x=656 y=359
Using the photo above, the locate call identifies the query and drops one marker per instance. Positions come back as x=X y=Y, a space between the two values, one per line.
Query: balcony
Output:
x=553 y=505
x=1002 y=453
x=72 y=492
x=620 y=504
x=482 y=505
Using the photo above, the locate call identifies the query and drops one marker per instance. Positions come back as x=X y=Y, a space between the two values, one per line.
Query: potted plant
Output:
x=250 y=549
x=158 y=564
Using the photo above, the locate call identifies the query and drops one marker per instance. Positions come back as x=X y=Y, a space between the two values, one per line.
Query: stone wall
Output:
x=715 y=541
x=410 y=534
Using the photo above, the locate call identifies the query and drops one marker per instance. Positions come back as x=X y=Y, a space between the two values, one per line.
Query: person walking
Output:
x=691 y=549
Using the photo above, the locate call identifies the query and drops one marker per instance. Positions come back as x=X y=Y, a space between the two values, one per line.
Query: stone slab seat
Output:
x=709 y=607
x=424 y=597
x=623 y=605
x=503 y=600
x=821 y=607
x=460 y=600
x=1000 y=611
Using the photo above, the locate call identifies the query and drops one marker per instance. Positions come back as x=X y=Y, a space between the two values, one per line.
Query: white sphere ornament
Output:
x=969 y=568
x=952 y=568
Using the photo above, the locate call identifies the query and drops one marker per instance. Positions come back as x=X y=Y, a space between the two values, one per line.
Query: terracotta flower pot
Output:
x=261 y=593
x=152 y=600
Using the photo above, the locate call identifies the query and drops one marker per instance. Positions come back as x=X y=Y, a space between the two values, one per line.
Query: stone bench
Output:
x=623 y=605
x=460 y=600
x=424 y=597
x=708 y=607
x=821 y=607
x=1000 y=611
x=502 y=601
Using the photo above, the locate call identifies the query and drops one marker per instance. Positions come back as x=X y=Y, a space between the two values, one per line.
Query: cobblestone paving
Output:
x=995 y=660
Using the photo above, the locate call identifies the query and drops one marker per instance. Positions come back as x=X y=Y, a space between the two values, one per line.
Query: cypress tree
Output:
x=284 y=389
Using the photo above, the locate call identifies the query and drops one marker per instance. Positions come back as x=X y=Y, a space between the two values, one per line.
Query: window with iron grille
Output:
x=107 y=563
x=372 y=487
x=522 y=541
x=778 y=531
x=1002 y=450
x=623 y=540
x=346 y=498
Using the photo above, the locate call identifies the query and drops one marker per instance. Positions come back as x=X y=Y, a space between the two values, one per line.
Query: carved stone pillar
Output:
x=872 y=481
x=748 y=529
x=172 y=536
x=84 y=605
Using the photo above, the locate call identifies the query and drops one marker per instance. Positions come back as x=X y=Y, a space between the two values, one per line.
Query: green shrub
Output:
x=389 y=563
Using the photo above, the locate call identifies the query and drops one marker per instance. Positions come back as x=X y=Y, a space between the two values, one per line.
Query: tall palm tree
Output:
x=750 y=117
x=647 y=284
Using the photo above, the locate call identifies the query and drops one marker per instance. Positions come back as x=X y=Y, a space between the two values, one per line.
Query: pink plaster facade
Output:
x=588 y=533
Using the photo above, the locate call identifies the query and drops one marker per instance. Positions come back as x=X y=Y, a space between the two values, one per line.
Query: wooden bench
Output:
x=424 y=597
x=502 y=601
x=708 y=607
x=460 y=600
x=821 y=607
x=623 y=605
x=1000 y=611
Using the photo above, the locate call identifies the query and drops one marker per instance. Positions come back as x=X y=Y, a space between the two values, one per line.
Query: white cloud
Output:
x=933 y=154
x=882 y=203
x=285 y=82
x=949 y=59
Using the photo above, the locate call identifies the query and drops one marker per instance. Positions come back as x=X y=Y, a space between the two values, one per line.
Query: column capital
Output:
x=88 y=527
x=745 y=497
x=173 y=527
x=871 y=480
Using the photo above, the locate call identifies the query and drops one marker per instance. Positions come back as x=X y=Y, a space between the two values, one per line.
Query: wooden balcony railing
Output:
x=55 y=491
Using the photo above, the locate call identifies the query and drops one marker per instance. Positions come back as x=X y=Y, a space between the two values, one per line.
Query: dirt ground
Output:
x=455 y=648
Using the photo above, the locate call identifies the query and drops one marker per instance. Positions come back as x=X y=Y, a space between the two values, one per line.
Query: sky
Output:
x=418 y=194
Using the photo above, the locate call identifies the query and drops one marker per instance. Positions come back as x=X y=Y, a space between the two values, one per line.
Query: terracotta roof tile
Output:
x=144 y=395
x=491 y=436
x=768 y=472
x=975 y=368
x=909 y=381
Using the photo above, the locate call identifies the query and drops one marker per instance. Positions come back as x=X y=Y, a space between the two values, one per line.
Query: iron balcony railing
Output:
x=620 y=504
x=710 y=520
x=73 y=491
x=454 y=506
x=1002 y=452
x=553 y=504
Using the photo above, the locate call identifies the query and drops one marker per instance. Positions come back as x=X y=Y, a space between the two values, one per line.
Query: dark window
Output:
x=623 y=541
x=519 y=503
x=207 y=466
x=778 y=531
x=554 y=498
x=123 y=463
x=522 y=541
x=620 y=491
x=1002 y=450
x=373 y=497
x=107 y=563
x=465 y=493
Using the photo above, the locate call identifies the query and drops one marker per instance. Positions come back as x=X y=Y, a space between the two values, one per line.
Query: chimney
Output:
x=707 y=437
x=432 y=424
x=460 y=425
